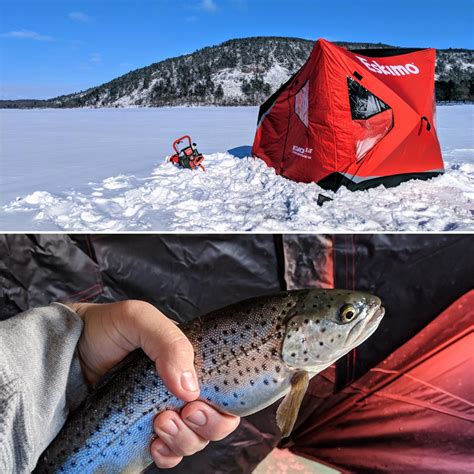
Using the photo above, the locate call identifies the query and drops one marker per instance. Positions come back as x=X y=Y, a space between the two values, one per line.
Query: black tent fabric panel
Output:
x=36 y=270
x=183 y=276
x=384 y=52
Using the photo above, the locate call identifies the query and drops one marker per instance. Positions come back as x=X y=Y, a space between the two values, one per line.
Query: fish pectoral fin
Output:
x=289 y=407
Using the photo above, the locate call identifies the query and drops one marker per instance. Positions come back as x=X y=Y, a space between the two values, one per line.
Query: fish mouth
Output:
x=377 y=315
x=372 y=323
x=356 y=335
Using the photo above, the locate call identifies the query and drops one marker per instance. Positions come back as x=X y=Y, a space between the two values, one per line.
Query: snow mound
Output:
x=238 y=195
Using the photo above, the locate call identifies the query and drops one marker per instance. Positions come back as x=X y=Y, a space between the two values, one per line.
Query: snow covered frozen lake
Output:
x=104 y=170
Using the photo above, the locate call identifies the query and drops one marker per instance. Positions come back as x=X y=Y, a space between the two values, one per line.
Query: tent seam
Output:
x=331 y=108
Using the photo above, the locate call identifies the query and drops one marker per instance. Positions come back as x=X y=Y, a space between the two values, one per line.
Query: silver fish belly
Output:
x=246 y=356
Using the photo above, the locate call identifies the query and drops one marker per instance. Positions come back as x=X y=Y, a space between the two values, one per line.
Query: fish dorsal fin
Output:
x=289 y=407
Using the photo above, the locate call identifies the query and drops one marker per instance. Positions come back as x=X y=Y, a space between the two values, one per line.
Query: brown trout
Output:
x=247 y=356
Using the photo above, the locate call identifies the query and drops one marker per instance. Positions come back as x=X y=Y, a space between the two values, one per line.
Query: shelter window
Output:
x=364 y=104
x=372 y=118
x=302 y=103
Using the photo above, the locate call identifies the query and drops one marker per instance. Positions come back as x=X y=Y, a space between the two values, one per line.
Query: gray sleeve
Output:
x=40 y=381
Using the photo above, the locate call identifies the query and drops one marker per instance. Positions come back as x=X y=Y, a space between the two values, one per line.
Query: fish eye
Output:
x=348 y=313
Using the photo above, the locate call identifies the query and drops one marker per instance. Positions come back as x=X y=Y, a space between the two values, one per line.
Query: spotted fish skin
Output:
x=245 y=357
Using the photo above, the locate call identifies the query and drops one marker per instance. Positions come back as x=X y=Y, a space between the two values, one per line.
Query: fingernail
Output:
x=198 y=418
x=163 y=449
x=170 y=428
x=189 y=382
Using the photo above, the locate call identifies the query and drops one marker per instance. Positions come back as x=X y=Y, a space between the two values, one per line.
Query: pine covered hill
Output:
x=238 y=72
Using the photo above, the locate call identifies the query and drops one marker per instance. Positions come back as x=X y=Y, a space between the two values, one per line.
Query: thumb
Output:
x=165 y=344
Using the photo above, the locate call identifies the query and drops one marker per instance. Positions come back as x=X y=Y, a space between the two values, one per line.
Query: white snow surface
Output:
x=104 y=170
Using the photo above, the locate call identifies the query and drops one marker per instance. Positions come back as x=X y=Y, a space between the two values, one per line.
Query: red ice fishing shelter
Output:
x=357 y=118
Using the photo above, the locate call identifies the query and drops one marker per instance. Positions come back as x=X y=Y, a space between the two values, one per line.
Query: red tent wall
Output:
x=308 y=132
x=414 y=412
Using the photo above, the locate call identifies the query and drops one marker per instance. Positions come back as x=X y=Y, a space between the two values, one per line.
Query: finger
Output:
x=207 y=422
x=132 y=324
x=162 y=456
x=177 y=436
x=165 y=344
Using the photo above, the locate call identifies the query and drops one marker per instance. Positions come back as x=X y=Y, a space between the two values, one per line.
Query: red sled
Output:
x=187 y=156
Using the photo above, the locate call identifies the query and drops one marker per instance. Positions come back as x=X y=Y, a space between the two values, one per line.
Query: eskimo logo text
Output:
x=302 y=151
x=394 y=70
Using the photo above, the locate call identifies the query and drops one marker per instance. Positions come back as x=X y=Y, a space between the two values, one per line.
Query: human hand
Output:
x=112 y=331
